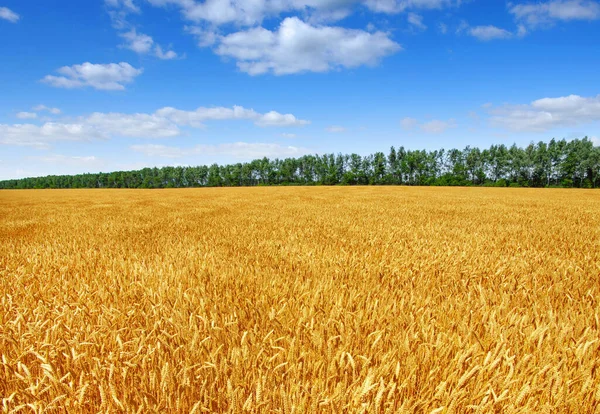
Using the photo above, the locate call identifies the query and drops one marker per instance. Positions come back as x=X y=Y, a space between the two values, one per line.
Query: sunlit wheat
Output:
x=298 y=300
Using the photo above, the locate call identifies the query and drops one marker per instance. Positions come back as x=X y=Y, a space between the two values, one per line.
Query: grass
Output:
x=281 y=300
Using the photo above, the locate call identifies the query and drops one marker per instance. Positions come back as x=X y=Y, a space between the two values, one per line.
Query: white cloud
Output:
x=197 y=117
x=335 y=129
x=40 y=108
x=26 y=115
x=8 y=14
x=168 y=55
x=543 y=13
x=42 y=136
x=596 y=141
x=416 y=20
x=443 y=28
x=112 y=76
x=164 y=123
x=204 y=37
x=302 y=43
x=128 y=5
x=288 y=135
x=239 y=150
x=437 y=126
x=547 y=113
x=138 y=42
x=397 y=6
x=408 y=123
x=132 y=125
x=486 y=33
x=279 y=120
x=299 y=47
x=144 y=44
x=253 y=12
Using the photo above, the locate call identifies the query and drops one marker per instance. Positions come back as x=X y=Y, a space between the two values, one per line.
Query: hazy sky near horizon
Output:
x=103 y=85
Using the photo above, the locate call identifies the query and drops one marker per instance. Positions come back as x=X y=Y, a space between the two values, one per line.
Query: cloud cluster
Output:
x=144 y=44
x=547 y=113
x=164 y=123
x=297 y=46
x=199 y=116
x=303 y=42
x=140 y=43
x=253 y=12
x=529 y=16
x=239 y=150
x=490 y=32
x=111 y=76
x=548 y=12
x=40 y=136
x=9 y=15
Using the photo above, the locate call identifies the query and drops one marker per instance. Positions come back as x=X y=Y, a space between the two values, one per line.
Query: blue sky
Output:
x=102 y=85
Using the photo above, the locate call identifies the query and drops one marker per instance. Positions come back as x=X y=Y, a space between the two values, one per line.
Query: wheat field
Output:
x=300 y=300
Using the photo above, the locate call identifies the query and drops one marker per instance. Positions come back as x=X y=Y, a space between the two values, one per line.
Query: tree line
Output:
x=558 y=163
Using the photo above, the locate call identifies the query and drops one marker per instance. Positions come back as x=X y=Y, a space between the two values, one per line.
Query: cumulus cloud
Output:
x=297 y=46
x=279 y=120
x=305 y=44
x=143 y=44
x=547 y=113
x=164 y=55
x=548 y=12
x=41 y=108
x=486 y=33
x=41 y=136
x=240 y=150
x=8 y=14
x=26 y=115
x=197 y=117
x=489 y=32
x=132 y=125
x=288 y=135
x=112 y=76
x=397 y=6
x=253 y=12
x=164 y=123
x=138 y=42
x=335 y=129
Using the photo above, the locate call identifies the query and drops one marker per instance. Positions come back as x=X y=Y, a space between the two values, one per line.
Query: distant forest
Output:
x=558 y=163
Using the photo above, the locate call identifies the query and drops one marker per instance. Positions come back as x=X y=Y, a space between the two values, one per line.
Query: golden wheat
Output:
x=297 y=300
